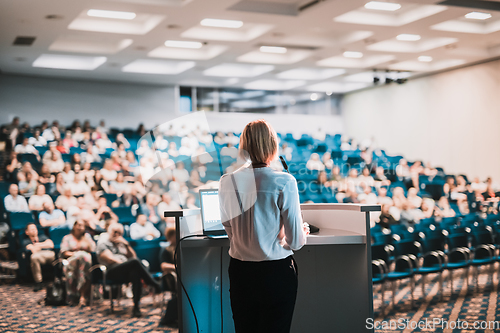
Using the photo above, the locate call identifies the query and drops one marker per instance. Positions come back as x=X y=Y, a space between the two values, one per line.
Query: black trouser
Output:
x=133 y=271
x=263 y=295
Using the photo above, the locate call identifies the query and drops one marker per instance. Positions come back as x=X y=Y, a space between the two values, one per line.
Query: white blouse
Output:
x=270 y=202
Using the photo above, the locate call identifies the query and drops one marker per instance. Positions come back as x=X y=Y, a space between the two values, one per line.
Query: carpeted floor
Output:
x=462 y=308
x=22 y=311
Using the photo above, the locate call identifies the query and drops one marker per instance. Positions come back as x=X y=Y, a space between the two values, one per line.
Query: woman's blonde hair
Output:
x=259 y=142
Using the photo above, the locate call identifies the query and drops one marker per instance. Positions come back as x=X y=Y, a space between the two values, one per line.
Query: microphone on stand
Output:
x=285 y=166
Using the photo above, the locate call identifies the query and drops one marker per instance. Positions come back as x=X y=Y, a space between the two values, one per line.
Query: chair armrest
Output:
x=407 y=259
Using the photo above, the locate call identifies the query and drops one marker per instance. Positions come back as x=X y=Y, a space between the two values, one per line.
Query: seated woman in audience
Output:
x=79 y=186
x=444 y=208
x=120 y=139
x=61 y=147
x=327 y=160
x=116 y=161
x=39 y=198
x=386 y=219
x=315 y=163
x=398 y=197
x=323 y=179
x=380 y=177
x=12 y=167
x=382 y=197
x=37 y=140
x=45 y=177
x=67 y=173
x=428 y=208
x=336 y=178
x=365 y=179
x=413 y=199
x=194 y=180
x=28 y=169
x=107 y=172
x=64 y=201
x=143 y=229
x=119 y=185
x=121 y=151
x=76 y=248
x=68 y=141
x=76 y=159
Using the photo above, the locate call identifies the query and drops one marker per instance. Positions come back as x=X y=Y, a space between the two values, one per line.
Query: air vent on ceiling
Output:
x=24 y=41
x=283 y=7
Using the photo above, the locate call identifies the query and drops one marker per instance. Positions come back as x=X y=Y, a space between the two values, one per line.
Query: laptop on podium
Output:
x=210 y=214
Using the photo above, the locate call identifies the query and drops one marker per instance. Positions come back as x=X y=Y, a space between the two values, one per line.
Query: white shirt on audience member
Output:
x=137 y=231
x=16 y=205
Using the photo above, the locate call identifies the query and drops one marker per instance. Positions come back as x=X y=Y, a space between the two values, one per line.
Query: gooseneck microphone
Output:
x=285 y=166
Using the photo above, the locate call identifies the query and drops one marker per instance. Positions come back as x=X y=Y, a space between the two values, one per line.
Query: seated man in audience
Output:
x=51 y=217
x=122 y=263
x=41 y=252
x=14 y=202
x=315 y=163
x=79 y=186
x=143 y=229
x=169 y=317
x=386 y=219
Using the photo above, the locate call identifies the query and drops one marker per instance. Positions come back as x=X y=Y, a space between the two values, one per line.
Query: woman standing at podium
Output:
x=260 y=211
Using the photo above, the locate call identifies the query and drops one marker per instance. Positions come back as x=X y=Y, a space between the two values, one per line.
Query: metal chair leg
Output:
x=383 y=300
x=393 y=294
x=451 y=281
x=412 y=287
x=441 y=286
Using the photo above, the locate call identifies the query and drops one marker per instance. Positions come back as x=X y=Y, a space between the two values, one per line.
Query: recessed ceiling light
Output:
x=221 y=23
x=387 y=6
x=58 y=61
x=329 y=93
x=183 y=44
x=314 y=97
x=477 y=16
x=111 y=14
x=273 y=49
x=352 y=54
x=425 y=59
x=408 y=37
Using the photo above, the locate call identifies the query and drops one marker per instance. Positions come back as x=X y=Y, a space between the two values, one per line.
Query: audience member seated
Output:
x=327 y=160
x=51 y=217
x=149 y=208
x=229 y=150
x=121 y=261
x=365 y=179
x=166 y=204
x=27 y=185
x=119 y=185
x=41 y=252
x=169 y=317
x=413 y=199
x=45 y=177
x=444 y=208
x=66 y=200
x=15 y=203
x=382 y=197
x=76 y=248
x=428 y=208
x=104 y=213
x=37 y=140
x=380 y=177
x=315 y=163
x=180 y=174
x=39 y=198
x=67 y=173
x=26 y=148
x=386 y=219
x=143 y=229
x=79 y=186
x=55 y=164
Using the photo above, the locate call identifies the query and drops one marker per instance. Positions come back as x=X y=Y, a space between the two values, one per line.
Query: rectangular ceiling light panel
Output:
x=274 y=84
x=89 y=44
x=165 y=67
x=292 y=56
x=140 y=25
x=204 y=53
x=238 y=70
x=394 y=45
x=310 y=73
x=57 y=61
x=367 y=61
x=390 y=19
x=244 y=34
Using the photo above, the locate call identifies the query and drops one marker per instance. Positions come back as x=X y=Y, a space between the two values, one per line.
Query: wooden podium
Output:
x=335 y=281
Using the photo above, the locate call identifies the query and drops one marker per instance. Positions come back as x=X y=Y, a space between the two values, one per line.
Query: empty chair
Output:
x=124 y=214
